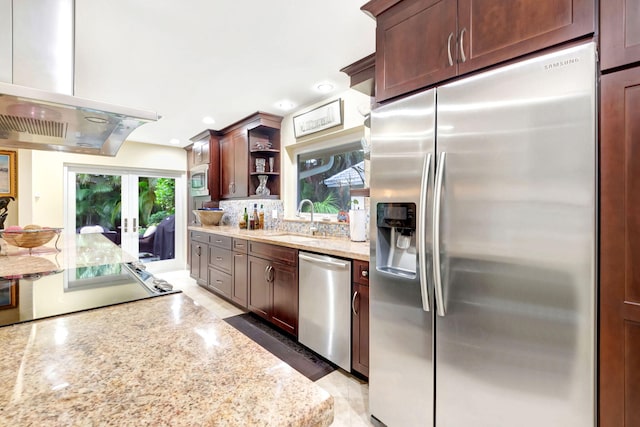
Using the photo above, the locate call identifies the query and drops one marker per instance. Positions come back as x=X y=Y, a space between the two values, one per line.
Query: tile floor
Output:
x=351 y=396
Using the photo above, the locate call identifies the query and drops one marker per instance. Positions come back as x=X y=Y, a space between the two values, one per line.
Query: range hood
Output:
x=37 y=107
x=40 y=120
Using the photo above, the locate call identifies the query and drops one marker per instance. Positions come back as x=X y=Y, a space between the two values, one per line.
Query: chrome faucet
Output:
x=312 y=226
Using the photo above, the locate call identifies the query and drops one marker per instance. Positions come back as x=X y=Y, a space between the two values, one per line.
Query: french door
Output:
x=136 y=209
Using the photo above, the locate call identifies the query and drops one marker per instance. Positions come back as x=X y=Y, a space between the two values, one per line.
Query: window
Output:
x=325 y=177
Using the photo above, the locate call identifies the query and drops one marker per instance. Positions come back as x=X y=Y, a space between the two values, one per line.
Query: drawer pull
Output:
x=218 y=258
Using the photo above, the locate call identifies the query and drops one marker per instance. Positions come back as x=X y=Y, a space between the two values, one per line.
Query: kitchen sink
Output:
x=294 y=238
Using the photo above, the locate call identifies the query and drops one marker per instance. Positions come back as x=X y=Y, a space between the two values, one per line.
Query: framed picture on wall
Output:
x=8 y=294
x=8 y=174
x=318 y=119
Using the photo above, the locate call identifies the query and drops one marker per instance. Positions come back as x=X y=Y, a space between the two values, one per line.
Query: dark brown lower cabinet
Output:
x=239 y=293
x=198 y=257
x=284 y=312
x=240 y=279
x=220 y=279
x=273 y=285
x=259 y=287
x=219 y=282
x=619 y=388
x=360 y=318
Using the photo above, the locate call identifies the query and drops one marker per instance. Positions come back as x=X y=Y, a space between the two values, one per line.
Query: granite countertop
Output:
x=76 y=250
x=164 y=361
x=327 y=245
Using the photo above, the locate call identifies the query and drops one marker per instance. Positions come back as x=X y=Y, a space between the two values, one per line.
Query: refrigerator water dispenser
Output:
x=396 y=252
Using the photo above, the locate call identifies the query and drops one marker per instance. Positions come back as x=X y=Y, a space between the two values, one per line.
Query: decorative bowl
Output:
x=209 y=216
x=29 y=238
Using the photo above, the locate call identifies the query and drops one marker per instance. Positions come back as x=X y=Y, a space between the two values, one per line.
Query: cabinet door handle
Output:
x=266 y=273
x=271 y=273
x=353 y=303
x=199 y=250
x=462 y=55
x=365 y=273
x=449 y=49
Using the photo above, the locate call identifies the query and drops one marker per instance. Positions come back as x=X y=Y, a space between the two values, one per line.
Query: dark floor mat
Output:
x=282 y=346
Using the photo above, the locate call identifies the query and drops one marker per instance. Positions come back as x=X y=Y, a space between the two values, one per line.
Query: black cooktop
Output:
x=37 y=296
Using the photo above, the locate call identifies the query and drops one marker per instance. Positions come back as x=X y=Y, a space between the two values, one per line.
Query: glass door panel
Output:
x=135 y=211
x=98 y=205
x=156 y=207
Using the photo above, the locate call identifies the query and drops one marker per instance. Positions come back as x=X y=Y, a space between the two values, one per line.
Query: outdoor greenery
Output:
x=312 y=186
x=98 y=200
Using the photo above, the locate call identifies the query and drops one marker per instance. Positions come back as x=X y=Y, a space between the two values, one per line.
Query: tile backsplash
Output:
x=331 y=229
x=233 y=210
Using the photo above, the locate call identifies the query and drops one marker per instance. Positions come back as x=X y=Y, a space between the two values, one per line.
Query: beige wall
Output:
x=351 y=130
x=41 y=177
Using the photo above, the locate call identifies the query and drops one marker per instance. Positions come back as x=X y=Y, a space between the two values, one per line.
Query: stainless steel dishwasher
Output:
x=325 y=307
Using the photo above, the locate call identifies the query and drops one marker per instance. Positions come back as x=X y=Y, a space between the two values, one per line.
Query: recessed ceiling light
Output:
x=285 y=105
x=324 y=87
x=208 y=120
x=174 y=141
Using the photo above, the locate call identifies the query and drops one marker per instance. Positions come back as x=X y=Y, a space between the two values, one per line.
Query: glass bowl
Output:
x=209 y=216
x=30 y=238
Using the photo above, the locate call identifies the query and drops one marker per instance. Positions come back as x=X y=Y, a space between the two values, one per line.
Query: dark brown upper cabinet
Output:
x=256 y=136
x=423 y=42
x=619 y=32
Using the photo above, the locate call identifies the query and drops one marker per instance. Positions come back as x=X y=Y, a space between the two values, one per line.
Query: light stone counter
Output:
x=164 y=361
x=76 y=250
x=327 y=245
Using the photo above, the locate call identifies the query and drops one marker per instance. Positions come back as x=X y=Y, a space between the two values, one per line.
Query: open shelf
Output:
x=265 y=151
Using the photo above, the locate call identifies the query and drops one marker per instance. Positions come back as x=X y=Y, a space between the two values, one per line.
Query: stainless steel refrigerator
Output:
x=483 y=249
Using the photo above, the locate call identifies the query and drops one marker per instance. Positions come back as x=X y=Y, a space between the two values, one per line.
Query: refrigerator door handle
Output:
x=422 y=249
x=437 y=277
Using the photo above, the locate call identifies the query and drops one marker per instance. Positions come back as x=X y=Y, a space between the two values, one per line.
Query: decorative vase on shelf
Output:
x=262 y=189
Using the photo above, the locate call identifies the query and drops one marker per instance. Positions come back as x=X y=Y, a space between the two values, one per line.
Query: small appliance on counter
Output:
x=358 y=225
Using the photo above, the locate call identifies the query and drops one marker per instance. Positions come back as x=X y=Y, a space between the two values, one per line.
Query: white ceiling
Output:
x=221 y=58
